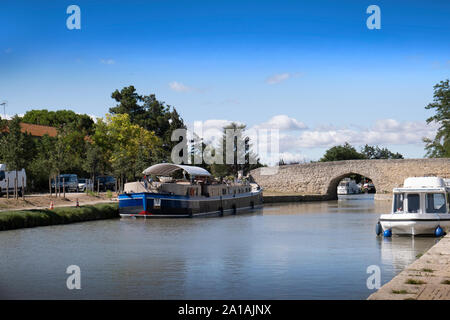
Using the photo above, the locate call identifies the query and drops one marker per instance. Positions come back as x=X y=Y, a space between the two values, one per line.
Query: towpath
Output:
x=427 y=278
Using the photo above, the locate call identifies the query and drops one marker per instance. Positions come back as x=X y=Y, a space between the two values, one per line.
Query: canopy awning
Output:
x=165 y=169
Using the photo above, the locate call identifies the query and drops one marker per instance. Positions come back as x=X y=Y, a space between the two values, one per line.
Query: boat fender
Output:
x=387 y=233
x=439 y=232
x=378 y=228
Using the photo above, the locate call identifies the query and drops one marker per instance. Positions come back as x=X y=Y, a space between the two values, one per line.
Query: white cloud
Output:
x=92 y=116
x=107 y=61
x=180 y=87
x=296 y=141
x=9 y=117
x=383 y=132
x=289 y=157
x=280 y=77
x=282 y=122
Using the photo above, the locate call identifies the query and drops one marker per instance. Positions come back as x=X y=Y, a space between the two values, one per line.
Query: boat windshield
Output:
x=398 y=202
x=435 y=203
x=413 y=202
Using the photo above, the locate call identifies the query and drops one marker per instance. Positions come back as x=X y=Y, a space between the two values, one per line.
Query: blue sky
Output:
x=313 y=62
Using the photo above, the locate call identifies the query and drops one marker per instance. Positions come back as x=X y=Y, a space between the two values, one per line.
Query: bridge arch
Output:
x=333 y=183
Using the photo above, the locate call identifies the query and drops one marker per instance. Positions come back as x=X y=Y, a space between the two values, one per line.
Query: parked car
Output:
x=106 y=183
x=85 y=184
x=4 y=175
x=67 y=181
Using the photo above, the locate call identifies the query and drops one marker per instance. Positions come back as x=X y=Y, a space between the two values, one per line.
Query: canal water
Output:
x=316 y=250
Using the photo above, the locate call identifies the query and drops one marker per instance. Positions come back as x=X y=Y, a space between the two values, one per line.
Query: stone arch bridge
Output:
x=322 y=178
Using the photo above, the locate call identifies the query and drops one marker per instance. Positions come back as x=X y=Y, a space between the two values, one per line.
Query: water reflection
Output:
x=401 y=251
x=316 y=250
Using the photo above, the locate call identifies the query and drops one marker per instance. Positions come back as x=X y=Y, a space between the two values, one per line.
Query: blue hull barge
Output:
x=187 y=197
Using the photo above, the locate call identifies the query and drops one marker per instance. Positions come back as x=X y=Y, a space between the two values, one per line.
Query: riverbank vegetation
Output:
x=135 y=134
x=63 y=215
x=348 y=152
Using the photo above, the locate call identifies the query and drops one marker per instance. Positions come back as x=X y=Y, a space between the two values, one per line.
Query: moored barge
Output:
x=195 y=194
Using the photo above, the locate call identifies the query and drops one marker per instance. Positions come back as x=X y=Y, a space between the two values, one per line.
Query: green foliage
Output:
x=344 y=152
x=439 y=147
x=15 y=145
x=136 y=135
x=348 y=152
x=34 y=218
x=125 y=145
x=60 y=119
x=40 y=167
x=375 y=152
x=94 y=162
x=414 y=281
x=400 y=292
x=150 y=114
x=92 y=193
x=222 y=168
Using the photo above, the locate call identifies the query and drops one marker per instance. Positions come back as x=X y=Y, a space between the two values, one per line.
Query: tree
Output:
x=439 y=147
x=14 y=149
x=59 y=157
x=344 y=152
x=240 y=143
x=128 y=100
x=150 y=114
x=375 y=152
x=124 y=145
x=59 y=119
x=40 y=168
x=94 y=160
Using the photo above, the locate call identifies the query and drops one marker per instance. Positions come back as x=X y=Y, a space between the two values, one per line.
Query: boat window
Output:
x=413 y=203
x=435 y=203
x=2 y=175
x=398 y=202
x=224 y=191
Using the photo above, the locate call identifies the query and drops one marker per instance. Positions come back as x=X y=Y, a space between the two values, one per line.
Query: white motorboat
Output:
x=348 y=186
x=420 y=207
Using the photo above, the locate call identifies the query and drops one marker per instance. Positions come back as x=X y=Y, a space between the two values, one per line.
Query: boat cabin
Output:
x=422 y=195
x=193 y=181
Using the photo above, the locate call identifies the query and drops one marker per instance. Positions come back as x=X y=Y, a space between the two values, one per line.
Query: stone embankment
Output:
x=293 y=198
x=427 y=278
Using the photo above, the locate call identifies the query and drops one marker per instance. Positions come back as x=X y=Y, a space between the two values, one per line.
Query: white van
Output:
x=4 y=175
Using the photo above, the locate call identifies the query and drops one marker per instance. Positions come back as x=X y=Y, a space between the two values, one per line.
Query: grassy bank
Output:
x=34 y=218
